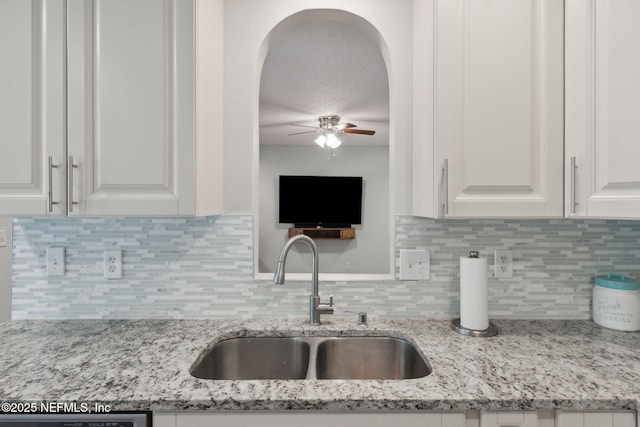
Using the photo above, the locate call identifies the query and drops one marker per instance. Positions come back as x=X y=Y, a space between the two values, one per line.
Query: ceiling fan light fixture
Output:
x=328 y=139
x=332 y=141
x=321 y=140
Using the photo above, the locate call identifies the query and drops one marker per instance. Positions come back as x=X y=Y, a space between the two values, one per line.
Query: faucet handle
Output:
x=322 y=308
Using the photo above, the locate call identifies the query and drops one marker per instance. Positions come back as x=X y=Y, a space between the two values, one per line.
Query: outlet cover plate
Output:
x=113 y=264
x=415 y=264
x=503 y=264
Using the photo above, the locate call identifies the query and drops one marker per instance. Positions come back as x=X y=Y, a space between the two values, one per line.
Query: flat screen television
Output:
x=320 y=201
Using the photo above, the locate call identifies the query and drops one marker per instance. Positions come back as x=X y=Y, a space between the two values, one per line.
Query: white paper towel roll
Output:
x=474 y=295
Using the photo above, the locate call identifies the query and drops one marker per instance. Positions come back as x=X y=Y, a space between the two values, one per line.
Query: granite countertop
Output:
x=144 y=364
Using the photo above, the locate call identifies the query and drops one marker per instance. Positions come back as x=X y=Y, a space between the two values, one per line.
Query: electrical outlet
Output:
x=55 y=261
x=414 y=265
x=503 y=264
x=113 y=264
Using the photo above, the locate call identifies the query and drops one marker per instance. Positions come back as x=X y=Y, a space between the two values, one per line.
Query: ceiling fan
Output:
x=332 y=124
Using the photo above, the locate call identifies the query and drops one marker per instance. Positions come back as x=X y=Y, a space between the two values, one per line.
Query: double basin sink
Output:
x=322 y=358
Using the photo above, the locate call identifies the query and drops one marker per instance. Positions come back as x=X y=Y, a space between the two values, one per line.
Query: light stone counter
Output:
x=144 y=364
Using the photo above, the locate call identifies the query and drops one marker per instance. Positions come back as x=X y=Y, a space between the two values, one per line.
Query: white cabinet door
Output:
x=32 y=107
x=320 y=419
x=595 y=419
x=499 y=108
x=516 y=419
x=602 y=108
x=124 y=97
x=131 y=106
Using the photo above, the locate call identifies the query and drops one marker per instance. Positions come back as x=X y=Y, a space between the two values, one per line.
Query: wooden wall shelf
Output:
x=324 y=233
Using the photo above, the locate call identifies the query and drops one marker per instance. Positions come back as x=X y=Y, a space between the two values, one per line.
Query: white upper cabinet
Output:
x=143 y=109
x=32 y=107
x=602 y=109
x=498 y=138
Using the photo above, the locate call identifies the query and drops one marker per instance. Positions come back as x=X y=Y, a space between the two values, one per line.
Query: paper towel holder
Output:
x=491 y=331
x=456 y=325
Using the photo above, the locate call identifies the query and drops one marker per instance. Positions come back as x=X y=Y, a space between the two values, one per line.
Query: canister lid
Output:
x=617 y=281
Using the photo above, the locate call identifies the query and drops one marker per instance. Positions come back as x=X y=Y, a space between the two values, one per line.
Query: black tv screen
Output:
x=320 y=201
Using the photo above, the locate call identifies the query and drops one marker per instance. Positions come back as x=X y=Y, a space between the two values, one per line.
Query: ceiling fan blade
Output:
x=359 y=131
x=343 y=126
x=300 y=133
x=303 y=126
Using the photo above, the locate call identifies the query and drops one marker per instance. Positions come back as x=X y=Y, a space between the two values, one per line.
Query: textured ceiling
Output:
x=323 y=66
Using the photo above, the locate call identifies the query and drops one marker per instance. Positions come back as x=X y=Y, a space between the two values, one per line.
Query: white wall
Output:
x=5 y=271
x=247 y=26
x=369 y=251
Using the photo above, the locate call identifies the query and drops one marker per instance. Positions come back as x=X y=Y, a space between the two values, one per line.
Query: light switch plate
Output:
x=415 y=264
x=55 y=261
x=3 y=238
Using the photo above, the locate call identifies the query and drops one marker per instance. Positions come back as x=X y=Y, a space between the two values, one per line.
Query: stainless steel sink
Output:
x=291 y=358
x=369 y=358
x=254 y=359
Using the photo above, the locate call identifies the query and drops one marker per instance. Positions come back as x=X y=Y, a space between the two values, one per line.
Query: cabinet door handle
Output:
x=70 y=201
x=445 y=187
x=50 y=201
x=573 y=201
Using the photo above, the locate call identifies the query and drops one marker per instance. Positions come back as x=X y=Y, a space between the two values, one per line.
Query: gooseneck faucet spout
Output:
x=315 y=306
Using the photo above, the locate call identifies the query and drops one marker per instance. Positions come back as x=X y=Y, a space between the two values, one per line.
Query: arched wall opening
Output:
x=325 y=62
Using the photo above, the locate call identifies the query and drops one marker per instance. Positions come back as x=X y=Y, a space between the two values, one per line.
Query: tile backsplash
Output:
x=203 y=267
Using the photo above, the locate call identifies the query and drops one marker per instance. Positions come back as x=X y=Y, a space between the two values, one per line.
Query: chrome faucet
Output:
x=316 y=308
